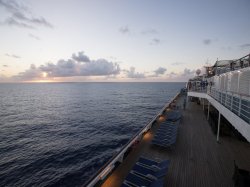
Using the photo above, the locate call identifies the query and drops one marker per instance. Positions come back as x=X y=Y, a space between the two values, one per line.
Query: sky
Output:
x=118 y=41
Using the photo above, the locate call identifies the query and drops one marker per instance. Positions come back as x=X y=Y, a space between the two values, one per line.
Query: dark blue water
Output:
x=59 y=134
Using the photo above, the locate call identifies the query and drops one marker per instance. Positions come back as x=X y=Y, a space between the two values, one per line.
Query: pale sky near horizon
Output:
x=114 y=40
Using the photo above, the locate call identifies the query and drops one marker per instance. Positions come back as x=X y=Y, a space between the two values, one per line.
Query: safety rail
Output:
x=239 y=104
x=118 y=157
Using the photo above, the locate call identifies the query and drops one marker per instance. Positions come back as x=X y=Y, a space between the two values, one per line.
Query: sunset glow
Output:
x=100 y=42
x=45 y=74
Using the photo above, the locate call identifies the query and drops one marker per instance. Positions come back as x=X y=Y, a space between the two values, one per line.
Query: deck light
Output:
x=161 y=118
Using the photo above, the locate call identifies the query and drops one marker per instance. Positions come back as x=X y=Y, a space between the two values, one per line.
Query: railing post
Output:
x=226 y=99
x=218 y=130
x=208 y=110
x=232 y=98
x=203 y=103
x=239 y=106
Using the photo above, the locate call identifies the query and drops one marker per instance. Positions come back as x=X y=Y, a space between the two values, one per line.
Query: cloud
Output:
x=149 y=31
x=124 y=30
x=5 y=66
x=29 y=74
x=245 y=46
x=207 y=41
x=71 y=68
x=177 y=63
x=131 y=73
x=188 y=72
x=155 y=41
x=33 y=36
x=12 y=22
x=81 y=57
x=21 y=16
x=13 y=56
x=181 y=76
x=13 y=6
x=160 y=71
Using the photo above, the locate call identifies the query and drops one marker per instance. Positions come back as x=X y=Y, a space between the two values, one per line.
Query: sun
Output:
x=45 y=74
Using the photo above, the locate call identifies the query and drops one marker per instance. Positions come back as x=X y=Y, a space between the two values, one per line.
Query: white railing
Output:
x=110 y=165
x=237 y=103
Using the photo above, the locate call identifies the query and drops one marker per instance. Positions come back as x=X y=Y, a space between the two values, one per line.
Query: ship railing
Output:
x=238 y=103
x=197 y=88
x=102 y=173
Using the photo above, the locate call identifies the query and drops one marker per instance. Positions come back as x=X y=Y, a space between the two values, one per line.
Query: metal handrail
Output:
x=232 y=104
x=231 y=100
x=108 y=167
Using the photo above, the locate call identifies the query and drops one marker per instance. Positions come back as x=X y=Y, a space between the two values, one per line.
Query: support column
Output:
x=218 y=130
x=208 y=110
x=203 y=104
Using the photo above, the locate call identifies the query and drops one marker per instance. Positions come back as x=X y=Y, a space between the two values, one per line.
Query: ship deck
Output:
x=196 y=160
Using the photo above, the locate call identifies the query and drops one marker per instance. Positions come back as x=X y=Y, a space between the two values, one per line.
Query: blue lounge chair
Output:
x=151 y=163
x=165 y=135
x=136 y=180
x=166 y=141
x=174 y=131
x=173 y=116
x=124 y=184
x=166 y=131
x=163 y=130
x=165 y=144
x=151 y=173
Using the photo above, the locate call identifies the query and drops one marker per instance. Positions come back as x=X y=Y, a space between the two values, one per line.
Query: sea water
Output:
x=60 y=134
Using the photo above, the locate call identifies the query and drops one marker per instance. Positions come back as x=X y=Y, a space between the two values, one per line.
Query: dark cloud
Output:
x=133 y=74
x=182 y=76
x=32 y=20
x=149 y=31
x=173 y=73
x=33 y=36
x=155 y=41
x=81 y=57
x=5 y=66
x=207 y=41
x=71 y=68
x=21 y=16
x=160 y=71
x=12 y=22
x=177 y=63
x=29 y=74
x=124 y=30
x=13 y=6
x=245 y=46
x=188 y=72
x=13 y=56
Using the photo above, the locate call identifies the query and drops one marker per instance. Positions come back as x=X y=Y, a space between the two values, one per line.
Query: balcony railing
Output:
x=239 y=104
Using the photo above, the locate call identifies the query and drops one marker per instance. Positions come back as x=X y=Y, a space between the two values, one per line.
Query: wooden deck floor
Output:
x=196 y=160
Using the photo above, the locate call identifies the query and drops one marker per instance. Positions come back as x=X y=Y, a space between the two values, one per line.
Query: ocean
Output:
x=60 y=134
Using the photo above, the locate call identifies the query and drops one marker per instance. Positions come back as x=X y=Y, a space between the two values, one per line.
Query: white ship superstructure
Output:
x=226 y=86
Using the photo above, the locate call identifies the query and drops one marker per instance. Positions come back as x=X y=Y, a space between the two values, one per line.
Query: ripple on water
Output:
x=60 y=134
